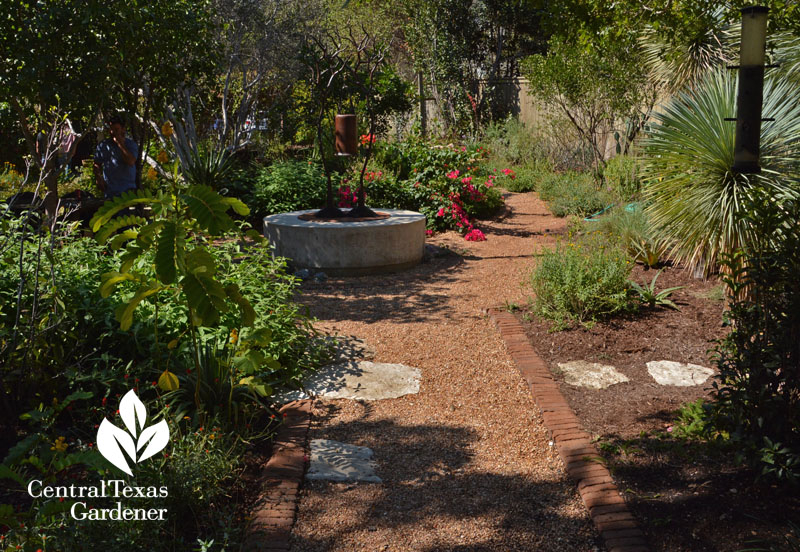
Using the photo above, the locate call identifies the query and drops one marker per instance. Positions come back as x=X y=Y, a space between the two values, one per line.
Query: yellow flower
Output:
x=152 y=173
x=166 y=129
x=234 y=336
x=162 y=157
x=59 y=445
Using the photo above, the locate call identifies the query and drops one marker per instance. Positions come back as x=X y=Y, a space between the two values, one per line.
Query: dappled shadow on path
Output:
x=414 y=295
x=428 y=481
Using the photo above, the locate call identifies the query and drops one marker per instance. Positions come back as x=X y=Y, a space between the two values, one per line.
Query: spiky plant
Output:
x=678 y=60
x=694 y=197
x=785 y=50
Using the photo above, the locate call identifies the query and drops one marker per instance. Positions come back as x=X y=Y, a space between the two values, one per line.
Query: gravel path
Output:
x=466 y=464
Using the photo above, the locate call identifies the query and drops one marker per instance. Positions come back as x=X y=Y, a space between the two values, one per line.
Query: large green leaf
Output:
x=208 y=208
x=109 y=280
x=170 y=253
x=123 y=237
x=8 y=473
x=125 y=311
x=116 y=224
x=115 y=205
x=129 y=257
x=199 y=260
x=247 y=311
x=149 y=232
x=237 y=205
x=205 y=295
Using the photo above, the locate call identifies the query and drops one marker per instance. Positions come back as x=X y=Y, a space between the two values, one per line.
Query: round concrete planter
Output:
x=348 y=248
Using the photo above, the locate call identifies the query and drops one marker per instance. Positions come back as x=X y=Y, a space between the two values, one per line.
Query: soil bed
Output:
x=687 y=495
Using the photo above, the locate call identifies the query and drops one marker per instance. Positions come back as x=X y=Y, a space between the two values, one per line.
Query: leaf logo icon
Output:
x=115 y=443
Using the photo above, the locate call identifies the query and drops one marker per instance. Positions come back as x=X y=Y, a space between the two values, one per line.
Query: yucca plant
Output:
x=695 y=199
x=208 y=167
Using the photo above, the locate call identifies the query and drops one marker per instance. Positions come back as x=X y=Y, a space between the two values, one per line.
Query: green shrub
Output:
x=286 y=186
x=263 y=280
x=572 y=193
x=200 y=469
x=525 y=178
x=513 y=142
x=622 y=178
x=631 y=228
x=382 y=190
x=756 y=397
x=580 y=283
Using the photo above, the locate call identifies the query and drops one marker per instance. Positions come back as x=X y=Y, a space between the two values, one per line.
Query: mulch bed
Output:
x=687 y=495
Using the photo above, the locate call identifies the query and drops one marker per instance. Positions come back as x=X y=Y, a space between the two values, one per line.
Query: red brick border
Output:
x=272 y=520
x=583 y=462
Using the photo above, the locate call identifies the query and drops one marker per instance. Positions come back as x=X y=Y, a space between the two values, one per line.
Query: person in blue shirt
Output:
x=115 y=160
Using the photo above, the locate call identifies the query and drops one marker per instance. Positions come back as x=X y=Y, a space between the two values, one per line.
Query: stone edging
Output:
x=610 y=515
x=273 y=517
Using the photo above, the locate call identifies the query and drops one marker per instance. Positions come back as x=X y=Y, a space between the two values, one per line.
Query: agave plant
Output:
x=695 y=199
x=206 y=166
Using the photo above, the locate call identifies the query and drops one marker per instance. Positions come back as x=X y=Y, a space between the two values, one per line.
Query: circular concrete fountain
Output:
x=348 y=247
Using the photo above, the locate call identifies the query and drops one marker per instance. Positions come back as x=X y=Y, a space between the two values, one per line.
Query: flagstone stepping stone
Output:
x=591 y=374
x=362 y=380
x=668 y=372
x=335 y=461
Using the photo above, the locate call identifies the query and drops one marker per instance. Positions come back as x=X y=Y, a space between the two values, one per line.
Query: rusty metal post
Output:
x=346 y=129
x=750 y=93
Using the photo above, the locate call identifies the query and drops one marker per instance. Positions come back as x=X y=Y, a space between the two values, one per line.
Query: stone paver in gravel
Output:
x=669 y=372
x=335 y=461
x=361 y=380
x=591 y=374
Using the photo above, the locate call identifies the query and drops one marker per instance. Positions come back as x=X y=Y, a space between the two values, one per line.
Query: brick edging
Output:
x=281 y=477
x=610 y=515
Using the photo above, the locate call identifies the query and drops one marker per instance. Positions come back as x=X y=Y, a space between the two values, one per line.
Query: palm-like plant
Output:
x=682 y=59
x=786 y=53
x=694 y=197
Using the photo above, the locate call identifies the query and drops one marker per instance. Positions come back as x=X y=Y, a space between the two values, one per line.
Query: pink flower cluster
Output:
x=457 y=213
x=509 y=173
x=347 y=197
x=475 y=235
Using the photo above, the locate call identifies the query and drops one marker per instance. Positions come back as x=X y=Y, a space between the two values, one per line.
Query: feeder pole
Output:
x=751 y=90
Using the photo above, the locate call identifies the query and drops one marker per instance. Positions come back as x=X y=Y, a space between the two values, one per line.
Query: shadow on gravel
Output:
x=428 y=484
x=414 y=295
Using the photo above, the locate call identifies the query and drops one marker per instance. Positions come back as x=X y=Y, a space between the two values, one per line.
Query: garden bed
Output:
x=688 y=495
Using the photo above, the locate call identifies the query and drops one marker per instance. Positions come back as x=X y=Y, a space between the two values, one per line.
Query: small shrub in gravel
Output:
x=581 y=283
x=572 y=193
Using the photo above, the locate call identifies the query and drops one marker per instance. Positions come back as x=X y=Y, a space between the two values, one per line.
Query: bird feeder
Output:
x=750 y=94
x=346 y=130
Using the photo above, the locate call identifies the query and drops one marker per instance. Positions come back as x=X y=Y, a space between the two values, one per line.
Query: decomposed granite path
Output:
x=466 y=463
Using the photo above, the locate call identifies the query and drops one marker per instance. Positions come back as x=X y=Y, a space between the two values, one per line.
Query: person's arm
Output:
x=119 y=139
